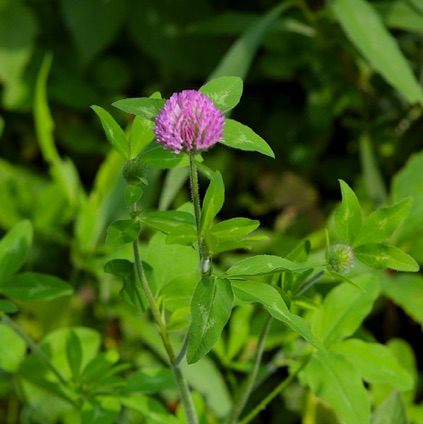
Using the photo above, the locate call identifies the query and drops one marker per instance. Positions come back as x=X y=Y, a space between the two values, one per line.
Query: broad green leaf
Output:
x=406 y=290
x=252 y=292
x=345 y=308
x=380 y=224
x=375 y=362
x=234 y=228
x=224 y=92
x=166 y=221
x=211 y=308
x=133 y=193
x=184 y=234
x=157 y=156
x=241 y=137
x=100 y=409
x=150 y=409
x=90 y=39
x=122 y=232
x=114 y=132
x=146 y=107
x=13 y=349
x=141 y=135
x=335 y=380
x=131 y=290
x=7 y=307
x=177 y=292
x=212 y=203
x=34 y=286
x=214 y=176
x=263 y=265
x=348 y=216
x=381 y=256
x=74 y=352
x=150 y=380
x=365 y=30
x=14 y=247
x=392 y=410
x=239 y=57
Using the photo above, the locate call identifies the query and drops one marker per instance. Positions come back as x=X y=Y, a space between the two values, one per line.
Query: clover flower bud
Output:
x=189 y=121
x=134 y=172
x=341 y=258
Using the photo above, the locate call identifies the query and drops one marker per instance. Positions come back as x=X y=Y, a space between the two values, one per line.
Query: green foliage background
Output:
x=331 y=102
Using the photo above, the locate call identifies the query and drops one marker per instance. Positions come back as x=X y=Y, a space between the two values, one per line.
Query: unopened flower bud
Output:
x=341 y=258
x=134 y=172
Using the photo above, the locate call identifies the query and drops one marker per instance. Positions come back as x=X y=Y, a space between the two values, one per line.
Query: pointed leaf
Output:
x=141 y=135
x=212 y=203
x=182 y=234
x=224 y=92
x=166 y=221
x=146 y=107
x=74 y=352
x=214 y=176
x=335 y=380
x=381 y=256
x=114 y=132
x=380 y=224
x=252 y=292
x=157 y=156
x=211 y=308
x=241 y=137
x=348 y=216
x=122 y=232
x=392 y=410
x=14 y=247
x=234 y=228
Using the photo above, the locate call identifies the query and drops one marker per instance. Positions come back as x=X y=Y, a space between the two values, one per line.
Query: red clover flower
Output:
x=189 y=121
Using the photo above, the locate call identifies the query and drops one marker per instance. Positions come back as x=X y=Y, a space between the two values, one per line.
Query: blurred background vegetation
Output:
x=308 y=92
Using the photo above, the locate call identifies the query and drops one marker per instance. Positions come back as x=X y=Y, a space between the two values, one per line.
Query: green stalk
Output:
x=174 y=361
x=40 y=354
x=249 y=383
x=273 y=394
x=205 y=260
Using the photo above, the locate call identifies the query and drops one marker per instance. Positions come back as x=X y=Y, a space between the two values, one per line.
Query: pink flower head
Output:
x=189 y=121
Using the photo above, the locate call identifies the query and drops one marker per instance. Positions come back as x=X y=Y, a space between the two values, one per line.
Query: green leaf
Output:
x=214 y=176
x=392 y=410
x=366 y=31
x=183 y=234
x=241 y=137
x=380 y=224
x=114 y=132
x=166 y=221
x=335 y=380
x=263 y=265
x=131 y=291
x=100 y=410
x=211 y=308
x=141 y=135
x=7 y=307
x=149 y=408
x=406 y=290
x=224 y=92
x=146 y=107
x=13 y=349
x=150 y=380
x=90 y=39
x=400 y=15
x=269 y=297
x=375 y=362
x=344 y=309
x=133 y=193
x=348 y=216
x=100 y=365
x=14 y=247
x=34 y=286
x=123 y=232
x=157 y=156
x=381 y=256
x=212 y=203
x=239 y=330
x=234 y=228
x=74 y=352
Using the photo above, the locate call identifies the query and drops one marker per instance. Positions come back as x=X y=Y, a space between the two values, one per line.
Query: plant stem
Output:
x=40 y=354
x=278 y=389
x=203 y=252
x=309 y=283
x=174 y=361
x=249 y=383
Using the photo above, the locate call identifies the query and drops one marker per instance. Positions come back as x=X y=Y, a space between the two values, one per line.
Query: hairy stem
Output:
x=205 y=264
x=277 y=390
x=249 y=383
x=174 y=361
